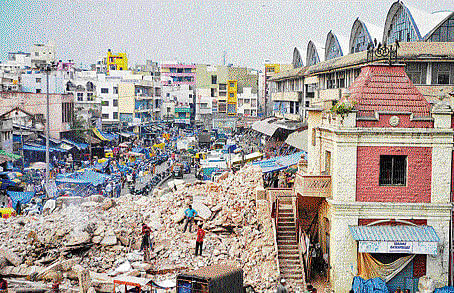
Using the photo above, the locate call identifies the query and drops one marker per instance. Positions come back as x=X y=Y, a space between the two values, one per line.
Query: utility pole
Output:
x=47 y=68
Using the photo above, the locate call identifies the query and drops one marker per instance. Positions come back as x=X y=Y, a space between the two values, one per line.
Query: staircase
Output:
x=289 y=261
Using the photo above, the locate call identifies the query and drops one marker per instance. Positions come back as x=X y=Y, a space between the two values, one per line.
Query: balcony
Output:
x=314 y=186
x=285 y=96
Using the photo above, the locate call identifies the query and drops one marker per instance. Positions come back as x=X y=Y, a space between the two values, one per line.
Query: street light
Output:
x=47 y=67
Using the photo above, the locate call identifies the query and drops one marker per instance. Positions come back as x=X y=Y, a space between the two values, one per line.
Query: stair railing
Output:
x=275 y=214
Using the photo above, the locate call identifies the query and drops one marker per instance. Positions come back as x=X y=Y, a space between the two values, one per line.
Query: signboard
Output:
x=318 y=186
x=398 y=247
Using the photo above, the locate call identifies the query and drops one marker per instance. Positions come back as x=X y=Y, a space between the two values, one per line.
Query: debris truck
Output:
x=211 y=279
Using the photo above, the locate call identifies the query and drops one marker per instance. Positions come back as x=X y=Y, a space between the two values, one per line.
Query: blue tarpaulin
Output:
x=33 y=148
x=85 y=177
x=23 y=197
x=279 y=163
x=446 y=289
x=79 y=145
x=375 y=285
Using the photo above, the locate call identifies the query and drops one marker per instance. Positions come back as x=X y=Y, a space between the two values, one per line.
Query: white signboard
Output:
x=398 y=247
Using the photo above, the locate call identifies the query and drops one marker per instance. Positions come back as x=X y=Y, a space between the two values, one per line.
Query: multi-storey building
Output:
x=116 y=61
x=41 y=54
x=218 y=88
x=178 y=74
x=182 y=99
x=425 y=46
x=61 y=109
x=139 y=101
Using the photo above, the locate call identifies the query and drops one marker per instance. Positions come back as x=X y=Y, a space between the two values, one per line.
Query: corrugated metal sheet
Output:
x=394 y=233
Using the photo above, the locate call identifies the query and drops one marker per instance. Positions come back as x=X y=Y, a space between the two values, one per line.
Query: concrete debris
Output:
x=103 y=235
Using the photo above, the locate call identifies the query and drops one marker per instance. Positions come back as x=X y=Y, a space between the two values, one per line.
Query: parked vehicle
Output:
x=8 y=181
x=177 y=171
x=210 y=279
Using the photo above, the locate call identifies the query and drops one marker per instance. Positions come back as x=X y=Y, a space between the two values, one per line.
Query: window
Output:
x=222 y=86
x=214 y=79
x=442 y=73
x=36 y=54
x=67 y=112
x=445 y=33
x=115 y=90
x=115 y=115
x=213 y=92
x=80 y=97
x=104 y=90
x=232 y=84
x=187 y=70
x=416 y=72
x=393 y=170
x=105 y=103
x=90 y=97
x=38 y=91
x=38 y=80
x=115 y=103
x=222 y=94
x=105 y=116
x=232 y=95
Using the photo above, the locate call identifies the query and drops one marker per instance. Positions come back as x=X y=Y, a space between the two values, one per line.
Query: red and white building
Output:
x=378 y=182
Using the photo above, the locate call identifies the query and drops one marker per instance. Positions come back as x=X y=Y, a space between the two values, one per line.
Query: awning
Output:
x=11 y=156
x=80 y=146
x=266 y=126
x=298 y=139
x=104 y=135
x=396 y=239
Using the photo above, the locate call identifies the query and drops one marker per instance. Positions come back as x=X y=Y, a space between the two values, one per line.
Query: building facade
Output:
x=384 y=164
x=61 y=109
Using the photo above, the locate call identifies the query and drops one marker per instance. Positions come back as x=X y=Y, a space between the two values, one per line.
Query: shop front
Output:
x=395 y=251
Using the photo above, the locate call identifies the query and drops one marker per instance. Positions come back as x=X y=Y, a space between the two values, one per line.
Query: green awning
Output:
x=13 y=157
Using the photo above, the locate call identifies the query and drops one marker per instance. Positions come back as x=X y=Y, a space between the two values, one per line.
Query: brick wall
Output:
x=404 y=122
x=419 y=170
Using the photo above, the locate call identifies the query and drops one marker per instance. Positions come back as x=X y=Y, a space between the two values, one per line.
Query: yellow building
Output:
x=232 y=97
x=118 y=61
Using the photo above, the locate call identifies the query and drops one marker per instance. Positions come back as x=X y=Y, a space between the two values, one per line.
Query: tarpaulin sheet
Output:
x=375 y=285
x=42 y=149
x=279 y=163
x=446 y=289
x=23 y=197
x=90 y=176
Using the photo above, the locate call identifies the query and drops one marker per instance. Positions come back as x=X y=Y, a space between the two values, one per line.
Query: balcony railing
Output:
x=316 y=186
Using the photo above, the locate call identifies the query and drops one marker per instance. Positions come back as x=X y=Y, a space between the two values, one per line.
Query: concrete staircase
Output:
x=289 y=261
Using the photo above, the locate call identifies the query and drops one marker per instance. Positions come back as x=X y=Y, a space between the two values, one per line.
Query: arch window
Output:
x=445 y=33
x=401 y=28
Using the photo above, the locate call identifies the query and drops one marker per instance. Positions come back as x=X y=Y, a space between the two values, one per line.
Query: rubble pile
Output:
x=103 y=235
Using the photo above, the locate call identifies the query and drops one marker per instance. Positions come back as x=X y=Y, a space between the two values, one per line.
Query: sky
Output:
x=248 y=32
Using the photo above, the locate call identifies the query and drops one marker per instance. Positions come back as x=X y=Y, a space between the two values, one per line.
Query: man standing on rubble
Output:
x=199 y=240
x=189 y=215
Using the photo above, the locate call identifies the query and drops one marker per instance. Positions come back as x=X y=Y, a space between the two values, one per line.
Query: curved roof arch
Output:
x=297 y=61
x=435 y=35
x=406 y=30
x=312 y=56
x=361 y=34
x=335 y=46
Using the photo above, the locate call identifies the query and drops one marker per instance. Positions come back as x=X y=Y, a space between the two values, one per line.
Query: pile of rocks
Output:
x=103 y=235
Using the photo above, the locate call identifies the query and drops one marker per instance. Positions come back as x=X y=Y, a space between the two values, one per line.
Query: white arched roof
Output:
x=372 y=32
x=429 y=34
x=297 y=61
x=312 y=52
x=422 y=22
x=336 y=40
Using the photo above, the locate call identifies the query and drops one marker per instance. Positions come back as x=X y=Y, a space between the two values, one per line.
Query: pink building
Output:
x=377 y=186
x=178 y=74
x=61 y=108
